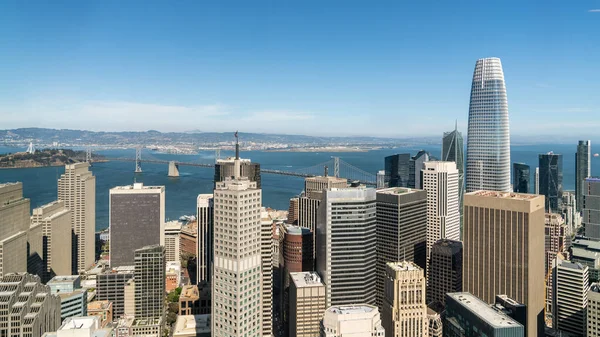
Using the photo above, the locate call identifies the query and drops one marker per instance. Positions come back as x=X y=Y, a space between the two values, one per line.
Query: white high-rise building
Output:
x=440 y=180
x=266 y=243
x=237 y=276
x=570 y=298
x=488 y=139
x=346 y=245
x=537 y=181
x=205 y=236
x=77 y=188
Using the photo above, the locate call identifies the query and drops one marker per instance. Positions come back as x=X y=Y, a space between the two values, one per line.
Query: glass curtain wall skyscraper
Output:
x=582 y=170
x=453 y=150
x=551 y=176
x=521 y=175
x=488 y=138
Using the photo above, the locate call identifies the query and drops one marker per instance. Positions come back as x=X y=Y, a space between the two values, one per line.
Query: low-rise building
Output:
x=86 y=326
x=587 y=252
x=73 y=298
x=101 y=309
x=172 y=275
x=189 y=300
x=110 y=286
x=192 y=326
x=361 y=320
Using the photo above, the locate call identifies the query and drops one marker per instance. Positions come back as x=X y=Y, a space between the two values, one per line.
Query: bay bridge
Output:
x=337 y=166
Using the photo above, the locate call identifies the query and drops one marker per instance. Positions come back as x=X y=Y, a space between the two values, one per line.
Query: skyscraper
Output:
x=488 y=138
x=205 y=236
x=14 y=225
x=453 y=150
x=237 y=276
x=551 y=177
x=77 y=188
x=583 y=169
x=149 y=282
x=224 y=168
x=306 y=304
x=504 y=250
x=401 y=230
x=521 y=177
x=110 y=286
x=536 y=180
x=172 y=240
x=591 y=208
x=593 y=311
x=445 y=270
x=397 y=170
x=404 y=311
x=571 y=286
x=137 y=219
x=266 y=246
x=440 y=180
x=346 y=243
x=417 y=163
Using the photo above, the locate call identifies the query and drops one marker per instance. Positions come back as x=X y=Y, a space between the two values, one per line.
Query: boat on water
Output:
x=596 y=155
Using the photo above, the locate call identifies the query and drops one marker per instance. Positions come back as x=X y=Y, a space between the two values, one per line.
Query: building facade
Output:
x=172 y=240
x=488 y=137
x=150 y=282
x=468 y=316
x=551 y=176
x=306 y=304
x=73 y=299
x=593 y=311
x=205 y=216
x=101 y=309
x=401 y=230
x=77 y=188
x=14 y=226
x=137 y=219
x=453 y=150
x=440 y=180
x=237 y=257
x=225 y=168
x=355 y=320
x=404 y=308
x=496 y=226
x=266 y=257
x=445 y=270
x=591 y=208
x=571 y=286
x=521 y=175
x=583 y=169
x=346 y=245
x=110 y=286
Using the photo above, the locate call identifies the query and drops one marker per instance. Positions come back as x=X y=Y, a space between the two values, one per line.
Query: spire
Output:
x=456 y=125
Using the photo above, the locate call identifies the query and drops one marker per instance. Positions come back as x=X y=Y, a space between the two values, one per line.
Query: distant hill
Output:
x=47 y=136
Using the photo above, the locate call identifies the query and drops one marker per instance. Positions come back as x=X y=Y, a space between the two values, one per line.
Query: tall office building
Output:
x=266 y=245
x=570 y=213
x=591 y=208
x=346 y=243
x=453 y=150
x=172 y=240
x=137 y=219
x=401 y=230
x=551 y=177
x=27 y=307
x=554 y=245
x=434 y=325
x=14 y=225
x=521 y=176
x=293 y=211
x=468 y=316
x=593 y=311
x=445 y=270
x=205 y=215
x=306 y=304
x=583 y=169
x=440 y=180
x=224 y=168
x=360 y=320
x=110 y=286
x=381 y=179
x=417 y=163
x=149 y=281
x=504 y=250
x=54 y=220
x=237 y=276
x=404 y=170
x=536 y=187
x=404 y=309
x=571 y=286
x=314 y=185
x=77 y=188
x=488 y=138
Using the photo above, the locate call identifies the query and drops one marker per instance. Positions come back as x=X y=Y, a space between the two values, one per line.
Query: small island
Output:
x=45 y=157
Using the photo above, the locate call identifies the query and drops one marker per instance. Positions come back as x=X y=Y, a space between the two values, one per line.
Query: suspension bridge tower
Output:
x=138 y=160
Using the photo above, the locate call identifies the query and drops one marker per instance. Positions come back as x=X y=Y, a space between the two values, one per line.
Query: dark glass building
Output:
x=521 y=176
x=591 y=208
x=445 y=270
x=582 y=170
x=402 y=170
x=551 y=176
x=453 y=150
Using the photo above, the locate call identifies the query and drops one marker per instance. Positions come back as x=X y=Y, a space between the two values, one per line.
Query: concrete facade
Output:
x=205 y=210
x=306 y=304
x=55 y=221
x=110 y=286
x=445 y=270
x=360 y=320
x=569 y=298
x=150 y=282
x=593 y=311
x=14 y=226
x=172 y=234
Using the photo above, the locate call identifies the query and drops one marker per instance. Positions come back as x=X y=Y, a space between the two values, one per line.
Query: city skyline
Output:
x=263 y=66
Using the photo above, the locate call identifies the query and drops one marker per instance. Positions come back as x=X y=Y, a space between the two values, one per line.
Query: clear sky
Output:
x=388 y=68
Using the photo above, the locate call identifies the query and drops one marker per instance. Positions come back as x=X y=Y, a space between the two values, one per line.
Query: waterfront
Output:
x=39 y=184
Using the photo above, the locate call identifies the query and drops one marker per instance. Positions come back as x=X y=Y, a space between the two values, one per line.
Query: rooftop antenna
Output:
x=237 y=146
x=236 y=162
x=456 y=125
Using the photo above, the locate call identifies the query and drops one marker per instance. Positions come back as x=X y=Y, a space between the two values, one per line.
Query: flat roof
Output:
x=296 y=230
x=504 y=195
x=352 y=309
x=403 y=265
x=192 y=325
x=306 y=279
x=397 y=190
x=66 y=278
x=74 y=323
x=136 y=186
x=121 y=270
x=483 y=310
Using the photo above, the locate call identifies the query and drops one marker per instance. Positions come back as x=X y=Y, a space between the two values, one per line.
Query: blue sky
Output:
x=389 y=68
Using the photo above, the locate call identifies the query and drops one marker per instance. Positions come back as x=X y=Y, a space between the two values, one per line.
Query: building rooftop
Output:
x=65 y=278
x=75 y=323
x=504 y=195
x=174 y=225
x=396 y=190
x=571 y=265
x=404 y=265
x=189 y=292
x=296 y=230
x=595 y=287
x=192 y=325
x=352 y=310
x=306 y=279
x=137 y=186
x=483 y=310
x=99 y=305
x=121 y=270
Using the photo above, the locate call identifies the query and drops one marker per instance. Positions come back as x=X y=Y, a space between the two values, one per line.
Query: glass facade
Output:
x=488 y=138
x=453 y=150
x=397 y=170
x=551 y=177
x=582 y=170
x=521 y=176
